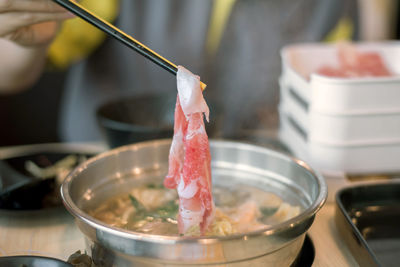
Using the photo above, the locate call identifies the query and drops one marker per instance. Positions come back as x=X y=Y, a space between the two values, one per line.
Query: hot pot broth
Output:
x=151 y=208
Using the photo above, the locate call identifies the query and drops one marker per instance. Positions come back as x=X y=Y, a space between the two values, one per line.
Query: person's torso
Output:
x=242 y=75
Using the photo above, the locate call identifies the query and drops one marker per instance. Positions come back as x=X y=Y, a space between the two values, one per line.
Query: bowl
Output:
x=116 y=171
x=32 y=261
x=40 y=193
x=135 y=119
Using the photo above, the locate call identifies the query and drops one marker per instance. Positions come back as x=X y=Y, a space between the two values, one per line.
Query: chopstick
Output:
x=121 y=36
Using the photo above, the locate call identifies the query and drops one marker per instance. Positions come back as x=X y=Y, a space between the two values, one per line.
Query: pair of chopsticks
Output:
x=121 y=36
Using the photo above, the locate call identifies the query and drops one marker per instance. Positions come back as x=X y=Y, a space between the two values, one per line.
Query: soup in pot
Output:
x=153 y=209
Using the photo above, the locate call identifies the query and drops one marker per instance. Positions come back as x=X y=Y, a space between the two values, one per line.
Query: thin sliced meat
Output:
x=189 y=159
x=176 y=153
x=353 y=63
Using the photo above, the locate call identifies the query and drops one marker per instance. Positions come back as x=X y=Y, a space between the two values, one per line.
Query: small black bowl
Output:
x=141 y=118
x=20 y=261
x=40 y=194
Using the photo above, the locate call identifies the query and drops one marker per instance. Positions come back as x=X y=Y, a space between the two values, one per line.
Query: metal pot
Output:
x=116 y=171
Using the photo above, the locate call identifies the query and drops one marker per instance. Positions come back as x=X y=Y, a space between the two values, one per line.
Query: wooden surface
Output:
x=330 y=250
x=54 y=234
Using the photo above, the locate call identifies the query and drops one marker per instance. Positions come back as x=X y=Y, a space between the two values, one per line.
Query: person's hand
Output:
x=30 y=22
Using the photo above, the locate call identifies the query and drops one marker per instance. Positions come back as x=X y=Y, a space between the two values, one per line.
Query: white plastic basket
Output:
x=341 y=125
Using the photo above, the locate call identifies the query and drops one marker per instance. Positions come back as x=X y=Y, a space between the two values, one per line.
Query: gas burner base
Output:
x=306 y=255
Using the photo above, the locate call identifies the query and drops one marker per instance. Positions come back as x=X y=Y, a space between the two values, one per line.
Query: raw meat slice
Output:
x=353 y=63
x=189 y=159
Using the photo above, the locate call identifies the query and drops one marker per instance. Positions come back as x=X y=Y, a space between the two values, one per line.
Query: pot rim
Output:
x=162 y=239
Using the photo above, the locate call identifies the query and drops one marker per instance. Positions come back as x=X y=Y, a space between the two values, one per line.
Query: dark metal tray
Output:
x=368 y=219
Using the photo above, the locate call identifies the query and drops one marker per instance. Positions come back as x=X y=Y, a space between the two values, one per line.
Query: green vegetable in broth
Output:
x=167 y=211
x=154 y=186
x=138 y=206
x=268 y=211
x=153 y=209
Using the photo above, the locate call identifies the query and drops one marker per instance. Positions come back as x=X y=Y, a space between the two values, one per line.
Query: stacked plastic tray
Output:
x=337 y=124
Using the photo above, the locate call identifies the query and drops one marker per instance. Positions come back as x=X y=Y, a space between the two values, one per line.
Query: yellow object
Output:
x=342 y=32
x=219 y=17
x=77 y=38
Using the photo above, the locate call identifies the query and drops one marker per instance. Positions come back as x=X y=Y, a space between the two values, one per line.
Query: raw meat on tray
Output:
x=353 y=63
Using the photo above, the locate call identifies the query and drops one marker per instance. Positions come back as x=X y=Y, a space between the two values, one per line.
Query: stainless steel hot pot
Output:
x=116 y=171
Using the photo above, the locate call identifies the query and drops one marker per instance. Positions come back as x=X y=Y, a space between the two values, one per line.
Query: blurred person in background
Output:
x=233 y=45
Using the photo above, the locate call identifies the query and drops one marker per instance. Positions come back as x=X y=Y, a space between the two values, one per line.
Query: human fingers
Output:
x=36 y=35
x=29 y=5
x=12 y=21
